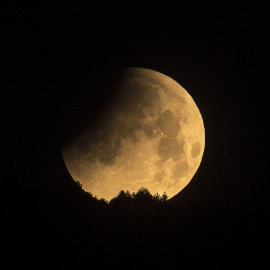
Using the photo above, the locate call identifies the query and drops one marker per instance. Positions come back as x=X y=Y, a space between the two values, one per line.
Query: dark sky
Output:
x=60 y=60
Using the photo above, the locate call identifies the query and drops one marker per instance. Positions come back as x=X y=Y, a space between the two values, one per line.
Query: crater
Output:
x=181 y=169
x=196 y=149
x=160 y=176
x=136 y=95
x=105 y=146
x=176 y=97
x=170 y=148
x=107 y=151
x=169 y=123
x=148 y=130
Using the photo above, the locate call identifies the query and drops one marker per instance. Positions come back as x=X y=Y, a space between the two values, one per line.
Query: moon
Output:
x=151 y=135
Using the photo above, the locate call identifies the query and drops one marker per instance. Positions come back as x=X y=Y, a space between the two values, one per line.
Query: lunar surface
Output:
x=152 y=135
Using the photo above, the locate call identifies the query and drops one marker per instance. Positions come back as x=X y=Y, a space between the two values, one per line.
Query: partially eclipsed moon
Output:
x=152 y=135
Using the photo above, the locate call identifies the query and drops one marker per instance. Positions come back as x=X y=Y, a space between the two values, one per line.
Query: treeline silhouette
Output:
x=64 y=225
x=124 y=209
x=140 y=199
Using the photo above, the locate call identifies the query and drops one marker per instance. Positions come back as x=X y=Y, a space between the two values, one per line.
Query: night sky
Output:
x=60 y=65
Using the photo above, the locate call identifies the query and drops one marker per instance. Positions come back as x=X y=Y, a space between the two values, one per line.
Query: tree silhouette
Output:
x=79 y=184
x=140 y=200
x=143 y=198
x=164 y=197
x=123 y=200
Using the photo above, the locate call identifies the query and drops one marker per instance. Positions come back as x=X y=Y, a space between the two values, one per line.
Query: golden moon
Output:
x=152 y=135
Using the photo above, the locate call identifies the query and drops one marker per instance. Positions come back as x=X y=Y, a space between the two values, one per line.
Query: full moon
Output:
x=151 y=135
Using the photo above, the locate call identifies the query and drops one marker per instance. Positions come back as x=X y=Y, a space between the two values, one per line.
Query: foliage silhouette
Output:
x=78 y=183
x=142 y=199
x=122 y=200
x=71 y=223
